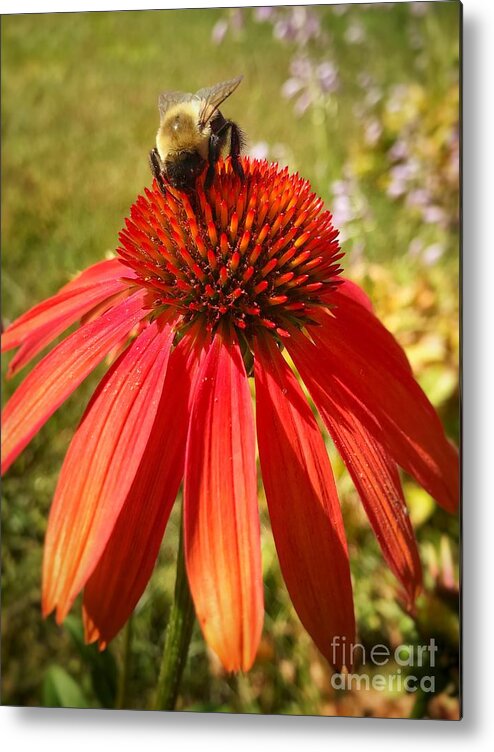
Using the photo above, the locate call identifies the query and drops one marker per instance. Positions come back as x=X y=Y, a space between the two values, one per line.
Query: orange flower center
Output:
x=259 y=251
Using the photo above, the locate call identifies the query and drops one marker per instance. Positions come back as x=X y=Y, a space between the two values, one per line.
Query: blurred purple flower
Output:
x=355 y=33
x=341 y=207
x=348 y=205
x=433 y=215
x=421 y=198
x=396 y=189
x=418 y=198
x=327 y=76
x=400 y=177
x=264 y=13
x=309 y=81
x=373 y=93
x=398 y=95
x=338 y=187
x=301 y=67
x=341 y=210
x=419 y=9
x=283 y=30
x=340 y=10
x=399 y=150
x=291 y=87
x=259 y=150
x=237 y=21
x=373 y=96
x=307 y=24
x=233 y=22
x=433 y=253
x=296 y=24
x=373 y=131
x=219 y=31
x=303 y=103
x=409 y=169
x=428 y=255
x=453 y=165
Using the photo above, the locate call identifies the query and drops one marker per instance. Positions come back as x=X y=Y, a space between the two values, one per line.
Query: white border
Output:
x=54 y=6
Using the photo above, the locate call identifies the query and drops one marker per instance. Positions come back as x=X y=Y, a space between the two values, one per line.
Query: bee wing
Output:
x=213 y=96
x=169 y=98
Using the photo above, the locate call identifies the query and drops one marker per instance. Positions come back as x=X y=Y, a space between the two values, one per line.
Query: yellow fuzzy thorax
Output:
x=179 y=131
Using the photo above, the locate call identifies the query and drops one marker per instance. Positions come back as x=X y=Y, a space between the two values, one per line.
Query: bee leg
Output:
x=213 y=156
x=157 y=168
x=236 y=143
x=155 y=163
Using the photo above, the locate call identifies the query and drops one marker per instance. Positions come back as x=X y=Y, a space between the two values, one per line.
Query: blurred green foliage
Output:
x=79 y=116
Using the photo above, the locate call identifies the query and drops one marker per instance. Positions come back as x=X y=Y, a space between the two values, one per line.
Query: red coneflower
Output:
x=209 y=289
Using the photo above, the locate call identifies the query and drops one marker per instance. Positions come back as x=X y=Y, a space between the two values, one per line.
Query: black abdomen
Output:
x=183 y=169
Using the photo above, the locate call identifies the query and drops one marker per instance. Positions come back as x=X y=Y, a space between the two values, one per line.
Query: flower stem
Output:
x=177 y=638
x=123 y=677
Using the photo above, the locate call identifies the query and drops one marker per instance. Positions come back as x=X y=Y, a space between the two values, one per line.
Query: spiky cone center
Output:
x=258 y=252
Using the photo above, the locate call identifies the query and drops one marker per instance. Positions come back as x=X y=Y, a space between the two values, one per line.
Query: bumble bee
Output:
x=192 y=134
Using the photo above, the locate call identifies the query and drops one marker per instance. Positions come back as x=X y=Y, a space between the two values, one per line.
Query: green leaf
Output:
x=101 y=664
x=61 y=691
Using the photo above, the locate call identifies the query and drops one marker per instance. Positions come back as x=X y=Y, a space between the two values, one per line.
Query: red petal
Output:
x=303 y=505
x=354 y=349
x=60 y=373
x=101 y=464
x=41 y=336
x=365 y=333
x=123 y=571
x=36 y=342
x=376 y=479
x=100 y=272
x=101 y=308
x=222 y=533
x=353 y=291
x=61 y=310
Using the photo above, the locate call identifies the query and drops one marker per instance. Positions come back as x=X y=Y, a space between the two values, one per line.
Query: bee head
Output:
x=183 y=169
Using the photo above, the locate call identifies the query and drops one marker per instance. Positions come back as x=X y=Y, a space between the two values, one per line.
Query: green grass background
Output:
x=79 y=115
